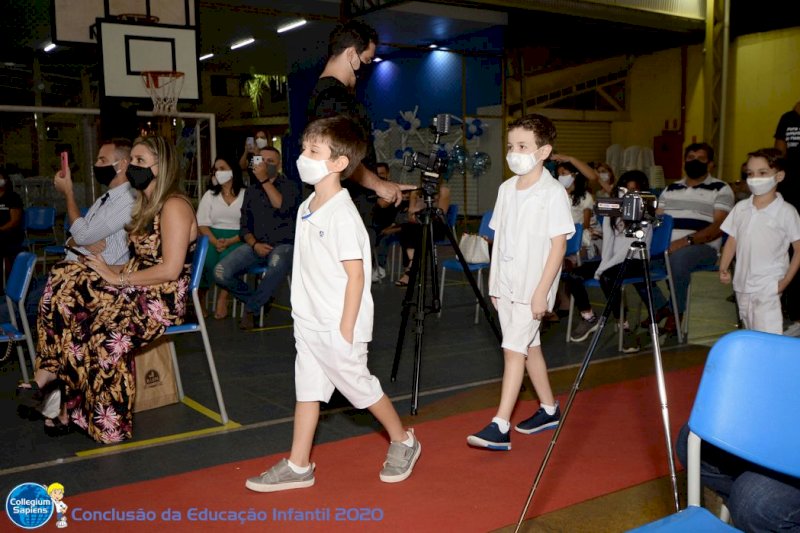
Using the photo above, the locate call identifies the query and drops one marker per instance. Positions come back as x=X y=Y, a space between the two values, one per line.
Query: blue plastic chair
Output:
x=453 y=264
x=198 y=327
x=59 y=249
x=16 y=290
x=766 y=366
x=451 y=217
x=40 y=221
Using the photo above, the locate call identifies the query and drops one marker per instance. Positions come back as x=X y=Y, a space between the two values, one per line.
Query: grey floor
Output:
x=256 y=373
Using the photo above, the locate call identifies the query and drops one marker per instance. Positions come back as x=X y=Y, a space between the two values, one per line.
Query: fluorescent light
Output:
x=433 y=46
x=207 y=56
x=240 y=44
x=292 y=25
x=49 y=47
x=376 y=59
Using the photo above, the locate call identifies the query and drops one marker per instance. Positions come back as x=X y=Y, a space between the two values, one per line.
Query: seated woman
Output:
x=411 y=231
x=582 y=207
x=218 y=217
x=11 y=224
x=93 y=317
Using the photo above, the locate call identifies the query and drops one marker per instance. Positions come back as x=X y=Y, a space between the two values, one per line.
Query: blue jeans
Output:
x=229 y=271
x=759 y=500
x=683 y=262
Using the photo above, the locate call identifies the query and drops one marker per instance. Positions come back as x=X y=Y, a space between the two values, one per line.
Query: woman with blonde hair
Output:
x=94 y=316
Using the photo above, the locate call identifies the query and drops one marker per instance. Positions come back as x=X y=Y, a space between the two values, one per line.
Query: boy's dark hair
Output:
x=544 y=132
x=637 y=176
x=700 y=146
x=344 y=137
x=237 y=182
x=773 y=156
x=352 y=33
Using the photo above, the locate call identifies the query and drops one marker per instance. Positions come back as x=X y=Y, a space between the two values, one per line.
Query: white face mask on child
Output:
x=605 y=177
x=312 y=171
x=566 y=180
x=761 y=185
x=520 y=164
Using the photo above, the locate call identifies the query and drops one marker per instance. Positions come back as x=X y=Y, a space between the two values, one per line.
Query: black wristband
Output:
x=253 y=246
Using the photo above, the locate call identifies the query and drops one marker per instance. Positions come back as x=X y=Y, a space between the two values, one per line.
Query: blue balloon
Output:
x=480 y=164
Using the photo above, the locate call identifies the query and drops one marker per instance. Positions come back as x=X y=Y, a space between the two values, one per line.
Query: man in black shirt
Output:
x=267 y=228
x=351 y=46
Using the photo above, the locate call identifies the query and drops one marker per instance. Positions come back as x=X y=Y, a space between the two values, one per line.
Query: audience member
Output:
x=218 y=217
x=698 y=203
x=93 y=316
x=606 y=180
x=582 y=201
x=12 y=228
x=532 y=222
x=760 y=231
x=267 y=227
x=384 y=226
x=252 y=146
x=332 y=310
x=758 y=499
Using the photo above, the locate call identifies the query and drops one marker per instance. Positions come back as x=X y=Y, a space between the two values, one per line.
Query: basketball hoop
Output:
x=140 y=18
x=164 y=88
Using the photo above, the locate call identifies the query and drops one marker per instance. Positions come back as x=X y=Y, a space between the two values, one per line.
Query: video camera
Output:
x=632 y=206
x=431 y=165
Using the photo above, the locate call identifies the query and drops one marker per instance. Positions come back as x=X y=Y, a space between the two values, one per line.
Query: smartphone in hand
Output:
x=251 y=144
x=76 y=251
x=257 y=160
x=64 y=162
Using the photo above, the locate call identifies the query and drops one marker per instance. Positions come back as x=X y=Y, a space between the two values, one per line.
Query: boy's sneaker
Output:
x=584 y=329
x=491 y=438
x=281 y=477
x=400 y=460
x=630 y=342
x=540 y=421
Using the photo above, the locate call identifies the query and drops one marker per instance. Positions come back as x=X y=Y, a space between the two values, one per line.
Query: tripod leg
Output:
x=419 y=312
x=408 y=300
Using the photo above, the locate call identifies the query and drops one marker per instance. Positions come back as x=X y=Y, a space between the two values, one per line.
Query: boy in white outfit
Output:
x=532 y=222
x=332 y=309
x=759 y=230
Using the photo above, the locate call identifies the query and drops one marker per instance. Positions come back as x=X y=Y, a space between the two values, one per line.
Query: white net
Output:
x=164 y=88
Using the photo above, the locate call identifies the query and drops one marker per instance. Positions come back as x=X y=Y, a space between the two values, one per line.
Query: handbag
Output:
x=474 y=248
x=155 y=377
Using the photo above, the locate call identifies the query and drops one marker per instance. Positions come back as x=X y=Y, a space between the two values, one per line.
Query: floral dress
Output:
x=89 y=329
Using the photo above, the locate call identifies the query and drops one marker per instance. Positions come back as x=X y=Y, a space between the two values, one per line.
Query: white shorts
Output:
x=520 y=330
x=761 y=311
x=325 y=361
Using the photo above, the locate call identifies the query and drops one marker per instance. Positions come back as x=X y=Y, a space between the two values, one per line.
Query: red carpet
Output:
x=613 y=439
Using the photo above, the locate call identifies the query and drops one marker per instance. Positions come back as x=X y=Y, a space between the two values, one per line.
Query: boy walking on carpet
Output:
x=332 y=309
x=532 y=222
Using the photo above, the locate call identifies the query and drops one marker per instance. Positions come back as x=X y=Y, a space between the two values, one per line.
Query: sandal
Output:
x=400 y=282
x=32 y=396
x=58 y=428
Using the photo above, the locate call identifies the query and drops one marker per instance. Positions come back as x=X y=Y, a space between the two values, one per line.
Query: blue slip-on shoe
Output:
x=540 y=421
x=491 y=438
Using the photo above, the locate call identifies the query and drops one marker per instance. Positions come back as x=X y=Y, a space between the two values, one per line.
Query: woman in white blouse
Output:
x=218 y=217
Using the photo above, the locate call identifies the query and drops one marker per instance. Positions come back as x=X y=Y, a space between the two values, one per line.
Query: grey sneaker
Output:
x=281 y=477
x=400 y=460
x=630 y=341
x=584 y=329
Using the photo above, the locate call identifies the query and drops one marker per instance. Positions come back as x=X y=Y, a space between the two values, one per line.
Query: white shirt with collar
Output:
x=762 y=238
x=522 y=236
x=214 y=211
x=106 y=219
x=323 y=239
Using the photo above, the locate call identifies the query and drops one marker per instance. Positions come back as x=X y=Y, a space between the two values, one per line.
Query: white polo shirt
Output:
x=323 y=239
x=214 y=211
x=543 y=214
x=762 y=238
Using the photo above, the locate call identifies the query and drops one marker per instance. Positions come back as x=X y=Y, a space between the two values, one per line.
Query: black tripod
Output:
x=638 y=249
x=424 y=259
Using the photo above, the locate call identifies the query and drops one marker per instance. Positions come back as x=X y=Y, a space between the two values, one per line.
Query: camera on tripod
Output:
x=632 y=206
x=434 y=164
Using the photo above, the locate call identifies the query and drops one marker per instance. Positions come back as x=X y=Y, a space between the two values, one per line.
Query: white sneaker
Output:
x=381 y=273
x=793 y=330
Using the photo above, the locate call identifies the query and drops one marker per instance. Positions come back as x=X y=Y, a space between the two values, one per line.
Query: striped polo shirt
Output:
x=692 y=207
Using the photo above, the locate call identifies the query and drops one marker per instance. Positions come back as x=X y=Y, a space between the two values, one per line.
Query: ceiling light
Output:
x=49 y=47
x=204 y=57
x=376 y=59
x=433 y=46
x=240 y=44
x=292 y=25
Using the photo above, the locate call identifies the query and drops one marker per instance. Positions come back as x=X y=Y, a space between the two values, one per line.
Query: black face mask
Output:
x=105 y=174
x=139 y=177
x=272 y=170
x=695 y=169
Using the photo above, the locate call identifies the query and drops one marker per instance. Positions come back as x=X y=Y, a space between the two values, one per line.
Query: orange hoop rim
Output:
x=151 y=77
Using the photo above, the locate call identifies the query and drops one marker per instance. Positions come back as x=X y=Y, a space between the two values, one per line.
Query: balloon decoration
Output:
x=480 y=163
x=399 y=154
x=458 y=158
x=474 y=129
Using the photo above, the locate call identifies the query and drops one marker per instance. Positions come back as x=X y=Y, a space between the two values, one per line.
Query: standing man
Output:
x=787 y=140
x=698 y=204
x=267 y=228
x=102 y=229
x=260 y=141
x=351 y=46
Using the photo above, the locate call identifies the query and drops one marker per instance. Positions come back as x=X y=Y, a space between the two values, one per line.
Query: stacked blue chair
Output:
x=766 y=366
x=16 y=290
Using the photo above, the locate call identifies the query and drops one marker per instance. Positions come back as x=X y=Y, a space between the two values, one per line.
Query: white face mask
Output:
x=312 y=171
x=566 y=181
x=761 y=185
x=223 y=176
x=605 y=177
x=2 y=182
x=520 y=164
x=261 y=143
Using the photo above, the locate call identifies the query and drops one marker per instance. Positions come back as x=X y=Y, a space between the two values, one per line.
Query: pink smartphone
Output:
x=64 y=162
